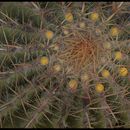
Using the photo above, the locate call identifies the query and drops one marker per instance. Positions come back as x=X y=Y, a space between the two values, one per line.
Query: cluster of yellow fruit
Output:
x=73 y=84
x=114 y=31
x=105 y=73
x=122 y=72
x=99 y=87
x=93 y=16
x=44 y=61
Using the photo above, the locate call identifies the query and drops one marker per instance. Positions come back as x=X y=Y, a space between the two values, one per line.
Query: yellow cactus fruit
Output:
x=105 y=73
x=69 y=17
x=49 y=35
x=99 y=88
x=84 y=77
x=57 y=67
x=73 y=84
x=114 y=31
x=118 y=55
x=44 y=60
x=94 y=16
x=82 y=25
x=107 y=45
x=123 y=71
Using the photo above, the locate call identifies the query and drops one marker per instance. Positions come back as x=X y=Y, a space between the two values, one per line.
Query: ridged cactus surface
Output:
x=65 y=65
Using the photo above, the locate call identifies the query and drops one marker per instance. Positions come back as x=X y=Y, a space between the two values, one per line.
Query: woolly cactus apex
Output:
x=81 y=51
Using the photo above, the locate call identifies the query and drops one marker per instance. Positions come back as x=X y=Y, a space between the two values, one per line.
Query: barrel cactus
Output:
x=64 y=64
